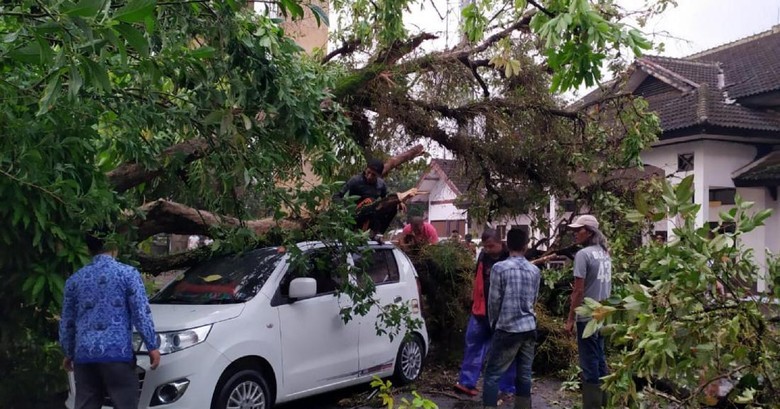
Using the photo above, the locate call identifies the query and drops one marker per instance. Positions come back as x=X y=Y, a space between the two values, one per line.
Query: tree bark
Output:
x=132 y=174
x=156 y=265
x=163 y=216
x=402 y=158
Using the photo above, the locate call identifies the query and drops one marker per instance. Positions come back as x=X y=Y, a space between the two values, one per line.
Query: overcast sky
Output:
x=709 y=23
x=692 y=26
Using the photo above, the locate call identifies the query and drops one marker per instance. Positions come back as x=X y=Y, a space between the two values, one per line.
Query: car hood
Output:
x=174 y=317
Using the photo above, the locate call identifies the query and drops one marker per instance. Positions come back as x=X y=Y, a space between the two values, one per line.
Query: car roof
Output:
x=311 y=245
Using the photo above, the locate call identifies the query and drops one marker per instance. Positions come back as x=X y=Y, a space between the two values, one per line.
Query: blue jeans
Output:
x=592 y=357
x=478 y=335
x=509 y=348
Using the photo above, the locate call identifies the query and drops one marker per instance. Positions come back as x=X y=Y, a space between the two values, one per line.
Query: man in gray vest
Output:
x=592 y=279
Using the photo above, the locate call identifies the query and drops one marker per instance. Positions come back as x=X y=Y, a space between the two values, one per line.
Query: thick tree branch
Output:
x=402 y=158
x=539 y=6
x=163 y=216
x=473 y=109
x=129 y=175
x=473 y=68
x=347 y=48
x=457 y=53
x=399 y=49
x=155 y=265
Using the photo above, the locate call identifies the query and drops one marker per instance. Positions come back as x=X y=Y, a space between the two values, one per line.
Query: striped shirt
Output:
x=514 y=286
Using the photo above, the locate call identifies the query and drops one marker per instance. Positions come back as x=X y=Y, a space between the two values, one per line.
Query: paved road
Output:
x=545 y=396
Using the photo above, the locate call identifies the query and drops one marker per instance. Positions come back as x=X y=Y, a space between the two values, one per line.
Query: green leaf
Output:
x=99 y=75
x=591 y=303
x=214 y=117
x=74 y=82
x=29 y=54
x=203 y=52
x=591 y=328
x=319 y=14
x=85 y=8
x=291 y=8
x=135 y=11
x=11 y=37
x=50 y=94
x=759 y=218
x=135 y=38
x=38 y=287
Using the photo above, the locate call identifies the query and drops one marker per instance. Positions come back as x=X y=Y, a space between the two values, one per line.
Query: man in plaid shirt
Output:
x=514 y=287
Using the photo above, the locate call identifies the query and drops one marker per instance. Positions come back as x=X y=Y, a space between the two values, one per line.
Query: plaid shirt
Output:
x=514 y=286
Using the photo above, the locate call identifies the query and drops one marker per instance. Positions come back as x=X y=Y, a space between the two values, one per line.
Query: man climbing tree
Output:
x=374 y=213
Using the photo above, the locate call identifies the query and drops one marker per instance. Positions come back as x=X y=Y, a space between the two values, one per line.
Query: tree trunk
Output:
x=164 y=216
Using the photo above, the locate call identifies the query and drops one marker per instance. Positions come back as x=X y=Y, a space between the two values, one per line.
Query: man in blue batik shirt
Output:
x=514 y=287
x=103 y=301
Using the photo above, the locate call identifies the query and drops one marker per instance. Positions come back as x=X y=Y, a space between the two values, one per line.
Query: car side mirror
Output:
x=303 y=287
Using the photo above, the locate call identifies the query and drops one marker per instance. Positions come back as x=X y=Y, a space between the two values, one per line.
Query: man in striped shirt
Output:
x=514 y=287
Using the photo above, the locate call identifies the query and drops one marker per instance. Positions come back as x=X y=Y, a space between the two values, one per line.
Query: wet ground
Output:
x=546 y=394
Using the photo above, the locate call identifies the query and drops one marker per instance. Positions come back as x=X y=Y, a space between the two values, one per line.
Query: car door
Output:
x=318 y=348
x=377 y=351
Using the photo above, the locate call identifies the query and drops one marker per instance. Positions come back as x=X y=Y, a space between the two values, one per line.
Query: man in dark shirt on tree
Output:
x=370 y=188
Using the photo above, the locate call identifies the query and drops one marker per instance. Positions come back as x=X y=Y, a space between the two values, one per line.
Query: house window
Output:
x=685 y=162
x=569 y=205
x=724 y=196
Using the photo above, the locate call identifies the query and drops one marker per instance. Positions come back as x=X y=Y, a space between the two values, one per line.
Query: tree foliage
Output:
x=110 y=105
x=672 y=325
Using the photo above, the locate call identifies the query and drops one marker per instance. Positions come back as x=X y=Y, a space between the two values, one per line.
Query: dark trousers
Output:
x=592 y=356
x=507 y=348
x=376 y=215
x=94 y=381
x=478 y=335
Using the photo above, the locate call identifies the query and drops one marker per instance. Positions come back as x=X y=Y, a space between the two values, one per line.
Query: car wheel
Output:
x=246 y=389
x=409 y=362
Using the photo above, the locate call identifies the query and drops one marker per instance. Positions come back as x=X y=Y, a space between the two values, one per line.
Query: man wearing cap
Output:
x=592 y=279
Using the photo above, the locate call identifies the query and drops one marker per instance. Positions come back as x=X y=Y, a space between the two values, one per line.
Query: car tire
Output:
x=246 y=387
x=409 y=361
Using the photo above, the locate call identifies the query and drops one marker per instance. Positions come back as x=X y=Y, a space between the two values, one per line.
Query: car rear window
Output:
x=222 y=280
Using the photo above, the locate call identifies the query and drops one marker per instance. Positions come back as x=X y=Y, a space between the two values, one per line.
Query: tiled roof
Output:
x=454 y=172
x=706 y=106
x=751 y=66
x=760 y=171
x=703 y=90
x=694 y=71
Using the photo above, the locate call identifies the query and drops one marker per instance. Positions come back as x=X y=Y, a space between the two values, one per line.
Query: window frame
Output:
x=281 y=299
x=389 y=257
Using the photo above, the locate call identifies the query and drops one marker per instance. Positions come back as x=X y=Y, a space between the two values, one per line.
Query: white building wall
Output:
x=756 y=239
x=713 y=164
x=665 y=157
x=445 y=212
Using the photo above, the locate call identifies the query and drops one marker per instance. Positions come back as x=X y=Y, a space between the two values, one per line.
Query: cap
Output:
x=376 y=165
x=585 y=220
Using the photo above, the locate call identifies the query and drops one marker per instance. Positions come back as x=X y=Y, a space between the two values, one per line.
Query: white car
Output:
x=249 y=332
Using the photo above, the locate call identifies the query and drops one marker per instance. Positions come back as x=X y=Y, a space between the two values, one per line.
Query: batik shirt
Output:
x=102 y=302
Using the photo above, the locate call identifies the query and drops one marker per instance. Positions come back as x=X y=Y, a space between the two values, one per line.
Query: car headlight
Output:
x=173 y=341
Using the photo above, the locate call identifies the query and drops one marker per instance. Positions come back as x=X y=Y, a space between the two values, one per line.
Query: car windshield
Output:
x=222 y=280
